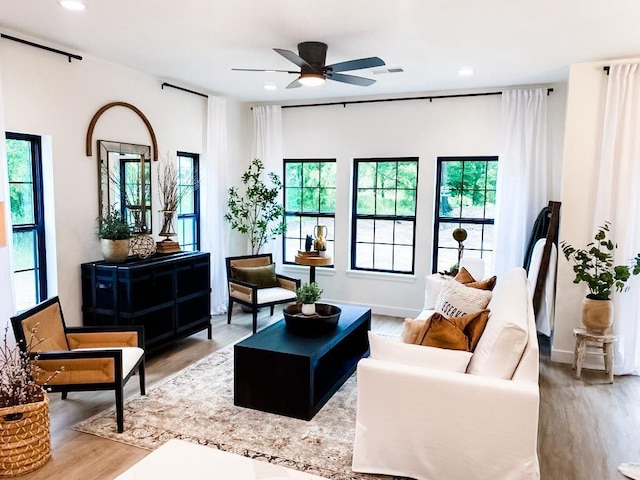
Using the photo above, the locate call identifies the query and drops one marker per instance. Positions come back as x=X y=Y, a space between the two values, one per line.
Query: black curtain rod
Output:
x=165 y=84
x=43 y=47
x=429 y=97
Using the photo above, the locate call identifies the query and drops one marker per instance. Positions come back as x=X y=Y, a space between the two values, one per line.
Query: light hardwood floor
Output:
x=586 y=427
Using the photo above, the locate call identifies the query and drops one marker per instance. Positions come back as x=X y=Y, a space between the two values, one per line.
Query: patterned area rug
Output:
x=196 y=405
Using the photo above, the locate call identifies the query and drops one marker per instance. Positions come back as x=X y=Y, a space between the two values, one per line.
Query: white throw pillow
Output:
x=433 y=285
x=390 y=350
x=456 y=300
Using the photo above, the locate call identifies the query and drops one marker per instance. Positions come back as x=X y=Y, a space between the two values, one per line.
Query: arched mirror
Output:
x=124 y=172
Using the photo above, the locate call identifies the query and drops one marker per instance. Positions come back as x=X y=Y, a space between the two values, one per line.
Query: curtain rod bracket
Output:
x=165 y=84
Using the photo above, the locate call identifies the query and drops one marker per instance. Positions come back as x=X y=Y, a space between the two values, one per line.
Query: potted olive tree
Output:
x=115 y=235
x=307 y=295
x=594 y=266
x=257 y=212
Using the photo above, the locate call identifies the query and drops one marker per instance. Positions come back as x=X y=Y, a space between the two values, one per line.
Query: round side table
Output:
x=604 y=341
x=312 y=261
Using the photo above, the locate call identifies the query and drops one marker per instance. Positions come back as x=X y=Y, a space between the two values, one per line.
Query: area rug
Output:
x=196 y=405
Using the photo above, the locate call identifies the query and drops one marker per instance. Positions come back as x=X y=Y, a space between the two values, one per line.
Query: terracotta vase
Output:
x=597 y=315
x=115 y=251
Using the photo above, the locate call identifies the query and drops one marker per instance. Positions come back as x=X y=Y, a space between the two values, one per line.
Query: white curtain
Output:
x=7 y=305
x=523 y=174
x=618 y=201
x=213 y=188
x=267 y=146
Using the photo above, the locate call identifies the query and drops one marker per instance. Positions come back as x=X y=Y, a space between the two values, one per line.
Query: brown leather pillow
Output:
x=441 y=332
x=410 y=329
x=474 y=329
x=467 y=280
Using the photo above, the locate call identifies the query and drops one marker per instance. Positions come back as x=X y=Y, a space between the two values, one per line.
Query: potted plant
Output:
x=594 y=266
x=258 y=213
x=24 y=413
x=115 y=235
x=307 y=295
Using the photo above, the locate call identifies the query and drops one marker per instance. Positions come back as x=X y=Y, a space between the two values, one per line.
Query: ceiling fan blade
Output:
x=292 y=57
x=352 y=79
x=295 y=84
x=263 y=70
x=358 y=64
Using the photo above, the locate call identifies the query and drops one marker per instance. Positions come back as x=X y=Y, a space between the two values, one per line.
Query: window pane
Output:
x=404 y=233
x=445 y=235
x=364 y=255
x=386 y=177
x=293 y=226
x=385 y=202
x=451 y=177
x=406 y=202
x=19 y=161
x=383 y=257
x=311 y=174
x=473 y=204
x=402 y=258
x=310 y=200
x=24 y=250
x=293 y=174
x=291 y=248
x=447 y=258
x=364 y=231
x=25 y=283
x=22 y=204
x=490 y=209
x=384 y=231
x=366 y=202
x=407 y=174
x=293 y=199
x=328 y=200
x=328 y=174
x=366 y=174
x=309 y=226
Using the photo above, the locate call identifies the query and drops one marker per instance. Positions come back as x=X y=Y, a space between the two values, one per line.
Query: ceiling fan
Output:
x=311 y=59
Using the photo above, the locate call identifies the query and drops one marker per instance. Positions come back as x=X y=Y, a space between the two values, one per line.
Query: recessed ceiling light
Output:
x=75 y=5
x=270 y=86
x=465 y=71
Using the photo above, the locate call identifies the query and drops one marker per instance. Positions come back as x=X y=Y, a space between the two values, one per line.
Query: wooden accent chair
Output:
x=86 y=358
x=254 y=284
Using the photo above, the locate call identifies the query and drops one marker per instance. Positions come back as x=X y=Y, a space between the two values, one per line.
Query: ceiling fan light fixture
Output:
x=311 y=79
x=75 y=5
x=465 y=71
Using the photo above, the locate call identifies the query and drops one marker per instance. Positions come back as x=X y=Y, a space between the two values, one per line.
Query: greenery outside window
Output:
x=188 y=225
x=24 y=169
x=309 y=200
x=384 y=214
x=466 y=198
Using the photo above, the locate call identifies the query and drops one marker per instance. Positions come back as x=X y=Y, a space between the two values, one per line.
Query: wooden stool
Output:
x=605 y=341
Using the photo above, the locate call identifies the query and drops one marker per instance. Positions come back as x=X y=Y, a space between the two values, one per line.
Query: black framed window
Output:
x=188 y=225
x=309 y=200
x=384 y=214
x=24 y=170
x=466 y=198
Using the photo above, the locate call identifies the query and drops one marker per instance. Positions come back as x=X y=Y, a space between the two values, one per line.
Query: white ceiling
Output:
x=196 y=43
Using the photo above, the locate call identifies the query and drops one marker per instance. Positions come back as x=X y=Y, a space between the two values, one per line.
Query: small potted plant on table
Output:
x=307 y=295
x=115 y=235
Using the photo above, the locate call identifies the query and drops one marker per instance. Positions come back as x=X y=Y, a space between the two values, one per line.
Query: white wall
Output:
x=44 y=94
x=423 y=129
x=583 y=133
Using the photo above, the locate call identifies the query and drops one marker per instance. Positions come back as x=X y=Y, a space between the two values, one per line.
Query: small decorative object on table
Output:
x=320 y=243
x=308 y=243
x=115 y=237
x=323 y=320
x=24 y=414
x=595 y=268
x=307 y=295
x=143 y=245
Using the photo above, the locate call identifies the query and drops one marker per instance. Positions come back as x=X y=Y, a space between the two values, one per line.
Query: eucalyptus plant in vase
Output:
x=594 y=266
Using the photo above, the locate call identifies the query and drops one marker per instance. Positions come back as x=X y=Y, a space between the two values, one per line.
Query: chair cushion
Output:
x=263 y=276
x=391 y=350
x=89 y=370
x=265 y=295
x=48 y=330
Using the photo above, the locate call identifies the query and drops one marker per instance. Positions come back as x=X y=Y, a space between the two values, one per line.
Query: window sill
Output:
x=298 y=269
x=396 y=277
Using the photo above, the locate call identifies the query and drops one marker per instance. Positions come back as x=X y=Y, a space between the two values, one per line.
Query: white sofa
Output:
x=423 y=422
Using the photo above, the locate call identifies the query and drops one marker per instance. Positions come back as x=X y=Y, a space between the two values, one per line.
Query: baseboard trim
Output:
x=381 y=309
x=566 y=356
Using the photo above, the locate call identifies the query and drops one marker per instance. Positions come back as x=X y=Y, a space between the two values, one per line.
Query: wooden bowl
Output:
x=325 y=319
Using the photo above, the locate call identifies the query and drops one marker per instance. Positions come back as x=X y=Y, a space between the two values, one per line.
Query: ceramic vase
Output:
x=115 y=251
x=308 y=308
x=597 y=315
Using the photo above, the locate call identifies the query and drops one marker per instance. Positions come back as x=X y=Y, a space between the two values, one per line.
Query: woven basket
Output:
x=24 y=438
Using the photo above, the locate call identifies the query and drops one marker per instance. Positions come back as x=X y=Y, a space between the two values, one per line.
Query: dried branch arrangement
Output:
x=17 y=374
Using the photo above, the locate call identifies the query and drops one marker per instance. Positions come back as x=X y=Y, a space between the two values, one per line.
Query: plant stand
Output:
x=604 y=341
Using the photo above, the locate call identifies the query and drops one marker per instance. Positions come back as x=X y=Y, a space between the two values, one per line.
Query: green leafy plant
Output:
x=594 y=265
x=308 y=293
x=257 y=213
x=113 y=227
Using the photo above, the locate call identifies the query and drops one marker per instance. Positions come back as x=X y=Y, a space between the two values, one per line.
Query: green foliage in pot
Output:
x=308 y=293
x=594 y=265
x=113 y=227
x=257 y=213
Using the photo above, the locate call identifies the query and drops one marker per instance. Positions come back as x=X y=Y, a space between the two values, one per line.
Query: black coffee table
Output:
x=294 y=375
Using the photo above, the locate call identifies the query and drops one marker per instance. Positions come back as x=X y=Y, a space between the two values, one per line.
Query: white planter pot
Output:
x=308 y=308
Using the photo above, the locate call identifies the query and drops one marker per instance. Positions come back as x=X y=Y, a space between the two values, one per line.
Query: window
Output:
x=466 y=198
x=189 y=207
x=24 y=167
x=309 y=200
x=384 y=214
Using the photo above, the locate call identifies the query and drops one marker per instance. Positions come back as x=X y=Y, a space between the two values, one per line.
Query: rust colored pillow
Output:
x=474 y=329
x=439 y=331
x=410 y=329
x=467 y=280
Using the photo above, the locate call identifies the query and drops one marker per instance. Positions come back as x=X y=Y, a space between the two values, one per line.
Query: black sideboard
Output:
x=169 y=294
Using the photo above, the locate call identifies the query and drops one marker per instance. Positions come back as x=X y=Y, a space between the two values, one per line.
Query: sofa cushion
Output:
x=433 y=285
x=502 y=343
x=451 y=333
x=411 y=328
x=456 y=300
x=467 y=280
x=390 y=350
x=263 y=276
